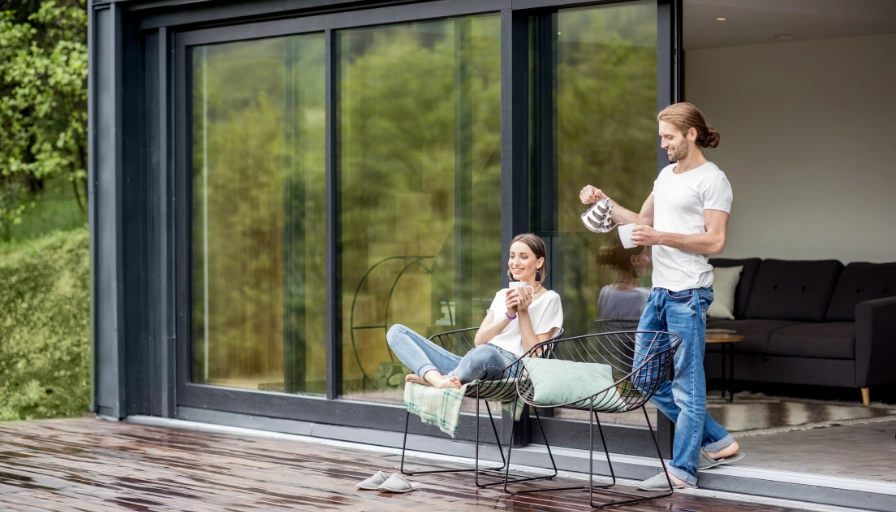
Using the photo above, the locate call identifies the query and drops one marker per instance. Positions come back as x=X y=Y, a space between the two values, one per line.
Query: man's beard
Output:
x=679 y=154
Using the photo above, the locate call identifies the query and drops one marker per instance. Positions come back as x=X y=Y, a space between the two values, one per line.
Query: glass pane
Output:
x=259 y=219
x=420 y=178
x=603 y=103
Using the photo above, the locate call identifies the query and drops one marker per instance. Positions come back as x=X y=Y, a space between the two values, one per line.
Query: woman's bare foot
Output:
x=725 y=452
x=443 y=382
x=437 y=380
x=416 y=379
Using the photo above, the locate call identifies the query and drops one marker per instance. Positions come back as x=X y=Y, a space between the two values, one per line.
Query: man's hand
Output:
x=646 y=235
x=591 y=195
x=712 y=241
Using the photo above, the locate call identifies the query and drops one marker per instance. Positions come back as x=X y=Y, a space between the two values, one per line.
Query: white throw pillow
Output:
x=723 y=285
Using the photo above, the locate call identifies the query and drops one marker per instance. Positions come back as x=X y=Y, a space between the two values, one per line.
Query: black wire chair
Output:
x=606 y=325
x=498 y=387
x=640 y=362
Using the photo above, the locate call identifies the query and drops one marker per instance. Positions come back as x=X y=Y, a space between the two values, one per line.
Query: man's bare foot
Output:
x=725 y=452
x=416 y=379
x=678 y=481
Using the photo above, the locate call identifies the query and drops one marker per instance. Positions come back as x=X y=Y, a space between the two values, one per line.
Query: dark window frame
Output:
x=514 y=195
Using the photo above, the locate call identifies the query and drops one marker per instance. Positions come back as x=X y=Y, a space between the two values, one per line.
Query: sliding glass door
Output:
x=419 y=167
x=340 y=173
x=595 y=86
x=258 y=226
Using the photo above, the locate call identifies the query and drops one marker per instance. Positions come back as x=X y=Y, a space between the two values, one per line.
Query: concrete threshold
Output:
x=754 y=485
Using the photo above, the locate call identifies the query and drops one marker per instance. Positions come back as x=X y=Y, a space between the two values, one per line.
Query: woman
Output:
x=517 y=320
x=623 y=299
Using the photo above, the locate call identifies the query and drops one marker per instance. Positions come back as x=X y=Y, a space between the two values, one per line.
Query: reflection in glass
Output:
x=258 y=214
x=622 y=301
x=420 y=186
x=604 y=116
x=602 y=97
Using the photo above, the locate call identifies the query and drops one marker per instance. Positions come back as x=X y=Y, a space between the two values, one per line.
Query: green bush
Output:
x=45 y=327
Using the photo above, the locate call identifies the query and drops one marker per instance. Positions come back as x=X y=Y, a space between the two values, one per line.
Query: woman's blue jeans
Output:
x=421 y=355
x=684 y=399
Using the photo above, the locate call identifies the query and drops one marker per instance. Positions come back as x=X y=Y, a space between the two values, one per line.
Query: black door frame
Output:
x=171 y=33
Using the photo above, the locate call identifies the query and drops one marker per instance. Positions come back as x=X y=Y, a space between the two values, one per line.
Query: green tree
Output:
x=43 y=99
x=22 y=9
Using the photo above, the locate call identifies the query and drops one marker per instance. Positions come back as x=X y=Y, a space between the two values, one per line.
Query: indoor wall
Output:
x=807 y=142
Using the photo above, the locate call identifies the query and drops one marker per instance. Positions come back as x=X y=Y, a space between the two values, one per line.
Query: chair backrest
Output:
x=458 y=341
x=638 y=360
x=616 y=324
x=461 y=341
x=500 y=386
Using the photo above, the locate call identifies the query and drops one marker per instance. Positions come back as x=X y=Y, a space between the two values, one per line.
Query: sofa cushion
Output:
x=755 y=332
x=860 y=282
x=724 y=284
x=744 y=285
x=828 y=340
x=793 y=290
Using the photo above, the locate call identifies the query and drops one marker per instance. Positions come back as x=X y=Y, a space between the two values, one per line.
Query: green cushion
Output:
x=556 y=382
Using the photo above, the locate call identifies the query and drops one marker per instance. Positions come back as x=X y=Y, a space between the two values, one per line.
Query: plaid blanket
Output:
x=441 y=407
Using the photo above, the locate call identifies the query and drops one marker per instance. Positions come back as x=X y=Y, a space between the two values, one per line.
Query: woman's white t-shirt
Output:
x=545 y=312
x=680 y=201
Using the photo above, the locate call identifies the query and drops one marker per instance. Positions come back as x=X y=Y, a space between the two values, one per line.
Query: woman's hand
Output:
x=524 y=299
x=512 y=301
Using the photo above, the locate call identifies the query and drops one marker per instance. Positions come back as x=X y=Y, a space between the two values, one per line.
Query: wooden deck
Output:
x=88 y=464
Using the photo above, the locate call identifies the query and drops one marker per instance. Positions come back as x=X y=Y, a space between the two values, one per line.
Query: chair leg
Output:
x=475 y=467
x=603 y=441
x=546 y=477
x=500 y=448
x=866 y=396
x=633 y=497
x=506 y=460
x=547 y=445
x=509 y=447
x=404 y=443
x=659 y=455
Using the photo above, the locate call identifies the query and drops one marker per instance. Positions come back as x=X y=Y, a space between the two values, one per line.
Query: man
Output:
x=685 y=218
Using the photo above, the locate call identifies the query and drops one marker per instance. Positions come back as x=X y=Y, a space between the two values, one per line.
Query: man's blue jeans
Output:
x=684 y=399
x=421 y=355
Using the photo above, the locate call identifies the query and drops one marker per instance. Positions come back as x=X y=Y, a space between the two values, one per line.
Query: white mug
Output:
x=625 y=235
x=520 y=284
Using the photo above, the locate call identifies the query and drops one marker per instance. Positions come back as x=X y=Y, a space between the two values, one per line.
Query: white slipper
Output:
x=660 y=482
x=397 y=483
x=373 y=483
x=707 y=462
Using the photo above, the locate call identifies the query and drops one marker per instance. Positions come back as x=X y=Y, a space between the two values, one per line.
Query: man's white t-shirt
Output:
x=545 y=312
x=679 y=204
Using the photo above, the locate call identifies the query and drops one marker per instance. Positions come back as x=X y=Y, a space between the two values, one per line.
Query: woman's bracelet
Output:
x=509 y=317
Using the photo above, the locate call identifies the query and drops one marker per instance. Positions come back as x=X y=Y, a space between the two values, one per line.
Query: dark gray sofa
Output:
x=811 y=322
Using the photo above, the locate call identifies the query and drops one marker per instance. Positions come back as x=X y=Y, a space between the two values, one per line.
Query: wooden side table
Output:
x=726 y=341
